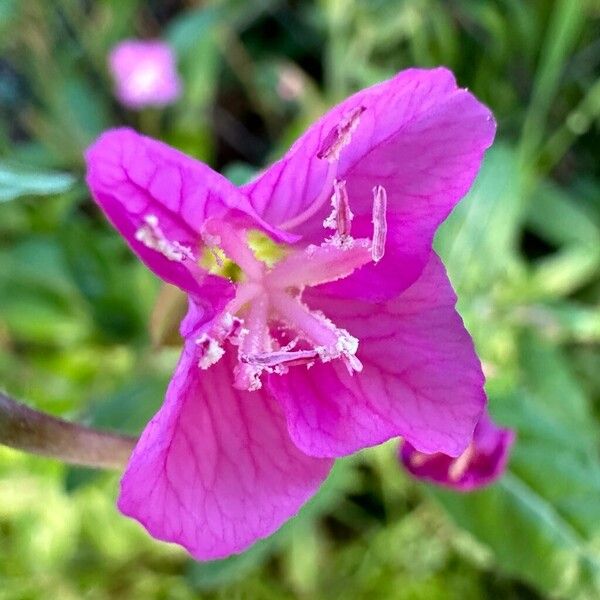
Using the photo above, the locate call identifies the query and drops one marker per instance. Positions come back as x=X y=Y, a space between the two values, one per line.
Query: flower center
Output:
x=267 y=320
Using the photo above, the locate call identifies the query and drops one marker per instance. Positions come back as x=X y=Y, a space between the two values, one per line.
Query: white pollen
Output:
x=152 y=236
x=211 y=351
x=379 y=223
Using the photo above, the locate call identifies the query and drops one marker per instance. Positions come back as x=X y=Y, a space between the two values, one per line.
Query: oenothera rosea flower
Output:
x=347 y=338
x=144 y=73
x=482 y=463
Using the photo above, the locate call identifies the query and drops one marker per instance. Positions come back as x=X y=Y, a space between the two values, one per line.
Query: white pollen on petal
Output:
x=151 y=235
x=341 y=216
x=310 y=250
x=211 y=351
x=339 y=137
x=346 y=343
x=379 y=223
x=247 y=377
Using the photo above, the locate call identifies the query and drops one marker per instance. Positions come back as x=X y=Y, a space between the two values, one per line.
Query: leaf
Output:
x=239 y=173
x=129 y=409
x=17 y=181
x=529 y=538
x=477 y=241
x=112 y=287
x=560 y=218
x=194 y=37
x=564 y=272
x=185 y=31
x=169 y=309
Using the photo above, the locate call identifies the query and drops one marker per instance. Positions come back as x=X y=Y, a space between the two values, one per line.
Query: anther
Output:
x=210 y=351
x=379 y=223
x=151 y=235
x=276 y=358
x=460 y=465
x=339 y=137
x=341 y=216
x=331 y=147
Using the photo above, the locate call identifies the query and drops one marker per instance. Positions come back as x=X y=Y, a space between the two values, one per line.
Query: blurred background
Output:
x=82 y=335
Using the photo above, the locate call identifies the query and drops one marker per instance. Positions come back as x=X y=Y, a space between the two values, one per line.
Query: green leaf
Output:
x=185 y=31
x=559 y=217
x=239 y=173
x=529 y=538
x=17 y=181
x=477 y=242
x=129 y=409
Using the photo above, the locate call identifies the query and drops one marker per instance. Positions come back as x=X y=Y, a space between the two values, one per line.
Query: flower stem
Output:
x=33 y=431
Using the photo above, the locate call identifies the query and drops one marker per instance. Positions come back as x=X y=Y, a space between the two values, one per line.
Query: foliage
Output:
x=522 y=250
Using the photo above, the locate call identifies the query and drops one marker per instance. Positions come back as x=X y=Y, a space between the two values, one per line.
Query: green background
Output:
x=81 y=337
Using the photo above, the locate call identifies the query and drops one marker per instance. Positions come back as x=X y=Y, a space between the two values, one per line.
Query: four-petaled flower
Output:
x=144 y=73
x=349 y=339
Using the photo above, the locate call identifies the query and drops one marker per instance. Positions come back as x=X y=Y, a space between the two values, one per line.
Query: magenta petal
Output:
x=421 y=138
x=134 y=178
x=421 y=379
x=215 y=469
x=482 y=463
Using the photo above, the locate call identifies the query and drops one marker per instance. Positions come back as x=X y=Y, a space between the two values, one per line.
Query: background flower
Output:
x=144 y=73
x=482 y=463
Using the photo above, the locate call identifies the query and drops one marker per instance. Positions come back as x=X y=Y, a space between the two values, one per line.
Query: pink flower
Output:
x=350 y=339
x=145 y=73
x=483 y=461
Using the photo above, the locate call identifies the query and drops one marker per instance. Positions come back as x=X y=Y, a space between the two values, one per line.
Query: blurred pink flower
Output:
x=350 y=339
x=145 y=73
x=482 y=463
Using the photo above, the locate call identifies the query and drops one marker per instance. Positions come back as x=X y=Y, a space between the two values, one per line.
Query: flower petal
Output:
x=421 y=378
x=420 y=137
x=215 y=469
x=159 y=200
x=482 y=462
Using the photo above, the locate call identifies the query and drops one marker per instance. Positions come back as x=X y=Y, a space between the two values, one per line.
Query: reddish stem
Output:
x=33 y=431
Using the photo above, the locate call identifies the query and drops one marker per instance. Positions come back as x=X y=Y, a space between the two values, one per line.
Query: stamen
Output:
x=329 y=341
x=379 y=222
x=341 y=216
x=419 y=459
x=339 y=137
x=235 y=246
x=253 y=339
x=228 y=326
x=460 y=465
x=289 y=358
x=151 y=235
x=211 y=351
x=210 y=343
x=245 y=292
x=333 y=144
x=320 y=264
